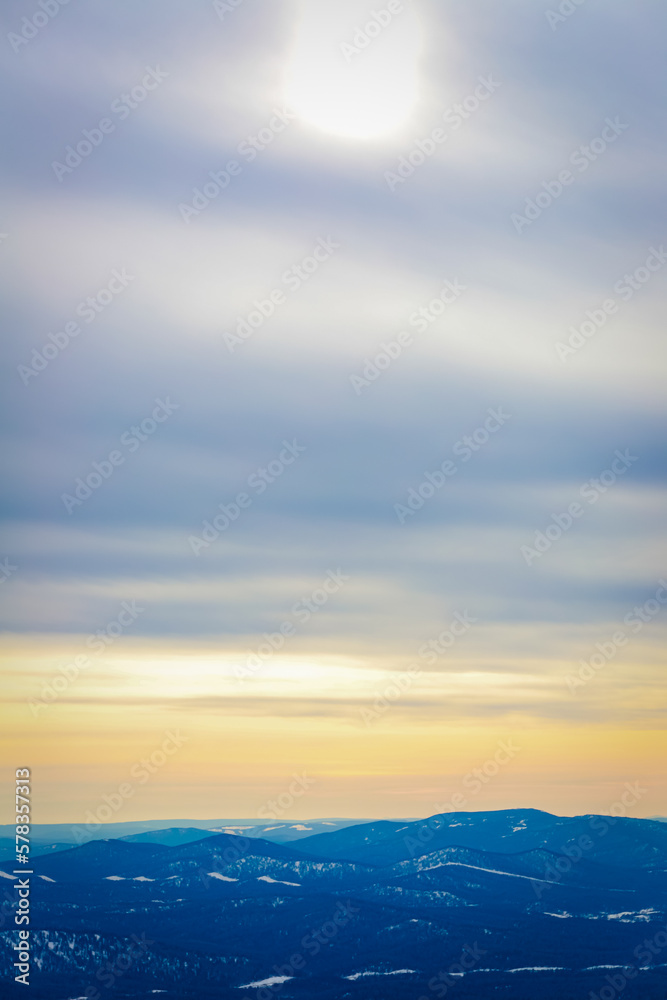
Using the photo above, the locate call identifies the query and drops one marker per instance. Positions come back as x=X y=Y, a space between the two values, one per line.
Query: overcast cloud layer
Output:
x=555 y=419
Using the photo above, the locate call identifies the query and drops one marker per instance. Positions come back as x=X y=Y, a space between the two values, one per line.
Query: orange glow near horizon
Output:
x=242 y=743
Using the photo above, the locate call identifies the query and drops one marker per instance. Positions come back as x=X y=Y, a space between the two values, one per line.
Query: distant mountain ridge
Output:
x=547 y=905
x=48 y=837
x=640 y=842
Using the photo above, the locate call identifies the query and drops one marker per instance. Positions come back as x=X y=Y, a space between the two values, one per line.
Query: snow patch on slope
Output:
x=394 y=972
x=271 y=981
x=276 y=881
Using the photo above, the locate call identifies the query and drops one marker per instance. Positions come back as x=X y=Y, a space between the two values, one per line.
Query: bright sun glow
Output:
x=354 y=73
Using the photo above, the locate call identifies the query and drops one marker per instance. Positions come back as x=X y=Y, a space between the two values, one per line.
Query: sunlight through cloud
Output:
x=354 y=72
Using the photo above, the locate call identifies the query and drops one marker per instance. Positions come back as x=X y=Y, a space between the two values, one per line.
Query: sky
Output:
x=334 y=407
